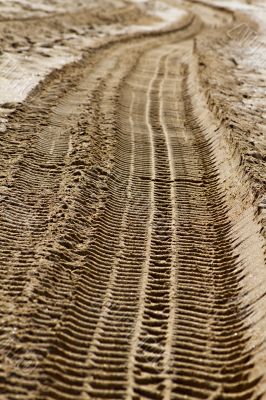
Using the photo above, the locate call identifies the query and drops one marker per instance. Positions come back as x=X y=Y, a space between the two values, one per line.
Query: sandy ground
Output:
x=132 y=199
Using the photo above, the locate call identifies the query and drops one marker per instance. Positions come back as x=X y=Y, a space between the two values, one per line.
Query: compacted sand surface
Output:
x=132 y=200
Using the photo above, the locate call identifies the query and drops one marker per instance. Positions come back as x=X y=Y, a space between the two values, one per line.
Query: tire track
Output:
x=126 y=283
x=51 y=269
x=145 y=268
x=212 y=364
x=51 y=259
x=110 y=342
x=72 y=339
x=215 y=362
x=174 y=244
x=150 y=358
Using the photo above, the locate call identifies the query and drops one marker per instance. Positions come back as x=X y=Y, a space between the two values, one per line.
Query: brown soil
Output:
x=132 y=206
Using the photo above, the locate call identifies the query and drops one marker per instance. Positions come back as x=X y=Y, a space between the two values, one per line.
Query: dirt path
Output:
x=127 y=271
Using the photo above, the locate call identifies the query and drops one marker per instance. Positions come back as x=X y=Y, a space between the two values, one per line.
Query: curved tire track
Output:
x=119 y=274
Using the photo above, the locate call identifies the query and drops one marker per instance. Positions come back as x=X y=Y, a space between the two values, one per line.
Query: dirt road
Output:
x=131 y=227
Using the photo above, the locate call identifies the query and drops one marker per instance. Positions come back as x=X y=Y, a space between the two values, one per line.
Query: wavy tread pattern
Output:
x=118 y=272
